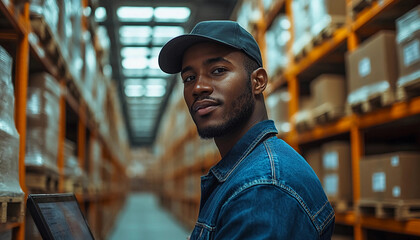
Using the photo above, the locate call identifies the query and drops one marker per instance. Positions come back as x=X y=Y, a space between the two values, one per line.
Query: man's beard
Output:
x=242 y=107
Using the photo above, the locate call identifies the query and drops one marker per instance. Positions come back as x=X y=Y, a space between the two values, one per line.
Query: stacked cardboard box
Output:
x=373 y=69
x=336 y=167
x=42 y=122
x=390 y=177
x=408 y=47
x=329 y=95
x=9 y=137
x=313 y=157
x=303 y=119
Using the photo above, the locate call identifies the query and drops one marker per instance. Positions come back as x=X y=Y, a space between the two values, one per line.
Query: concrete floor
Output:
x=143 y=218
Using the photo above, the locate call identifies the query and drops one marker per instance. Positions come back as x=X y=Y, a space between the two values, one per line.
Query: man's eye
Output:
x=188 y=79
x=219 y=70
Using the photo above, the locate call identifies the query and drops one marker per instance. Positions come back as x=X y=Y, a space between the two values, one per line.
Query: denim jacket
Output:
x=263 y=189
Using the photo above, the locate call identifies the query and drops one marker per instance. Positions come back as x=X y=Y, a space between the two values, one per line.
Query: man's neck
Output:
x=226 y=142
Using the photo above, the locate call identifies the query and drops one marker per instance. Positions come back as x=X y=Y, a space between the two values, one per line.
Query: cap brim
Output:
x=170 y=57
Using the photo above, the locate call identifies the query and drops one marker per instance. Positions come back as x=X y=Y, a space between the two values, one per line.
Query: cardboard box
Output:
x=408 y=46
x=390 y=177
x=329 y=95
x=278 y=107
x=372 y=68
x=336 y=167
x=313 y=157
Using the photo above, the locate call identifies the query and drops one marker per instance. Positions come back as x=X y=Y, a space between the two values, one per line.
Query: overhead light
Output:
x=100 y=14
x=135 y=34
x=135 y=63
x=172 y=14
x=134 y=91
x=155 y=91
x=135 y=14
x=127 y=52
x=162 y=34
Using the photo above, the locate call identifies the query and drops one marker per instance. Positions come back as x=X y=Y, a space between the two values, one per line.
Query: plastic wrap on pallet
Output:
x=9 y=137
x=408 y=46
x=42 y=122
x=277 y=38
x=95 y=155
x=64 y=28
x=278 y=107
x=89 y=67
x=48 y=10
x=71 y=164
x=75 y=41
x=301 y=25
x=326 y=12
x=249 y=14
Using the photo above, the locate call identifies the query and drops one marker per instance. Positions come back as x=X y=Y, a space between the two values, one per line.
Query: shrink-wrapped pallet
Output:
x=42 y=122
x=48 y=10
x=71 y=165
x=301 y=25
x=9 y=137
x=408 y=48
x=277 y=39
x=278 y=107
x=326 y=16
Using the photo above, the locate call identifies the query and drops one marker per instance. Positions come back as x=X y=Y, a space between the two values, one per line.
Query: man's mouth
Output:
x=204 y=107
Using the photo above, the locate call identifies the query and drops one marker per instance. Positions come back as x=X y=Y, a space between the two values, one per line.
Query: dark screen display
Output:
x=65 y=220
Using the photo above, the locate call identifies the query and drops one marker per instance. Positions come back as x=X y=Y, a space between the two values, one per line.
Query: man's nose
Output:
x=203 y=86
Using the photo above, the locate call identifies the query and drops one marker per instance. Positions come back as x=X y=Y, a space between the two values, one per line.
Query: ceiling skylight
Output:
x=138 y=35
x=172 y=14
x=100 y=14
x=135 y=14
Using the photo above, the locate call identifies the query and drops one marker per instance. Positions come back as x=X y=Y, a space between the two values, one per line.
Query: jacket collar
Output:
x=242 y=148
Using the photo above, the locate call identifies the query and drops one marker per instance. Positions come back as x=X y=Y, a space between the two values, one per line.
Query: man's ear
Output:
x=259 y=80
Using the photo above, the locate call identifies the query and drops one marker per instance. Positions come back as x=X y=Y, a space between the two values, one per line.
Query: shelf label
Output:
x=411 y=53
x=396 y=191
x=330 y=160
x=379 y=182
x=395 y=161
x=331 y=184
x=364 y=67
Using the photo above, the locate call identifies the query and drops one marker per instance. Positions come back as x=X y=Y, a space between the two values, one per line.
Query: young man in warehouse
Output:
x=261 y=188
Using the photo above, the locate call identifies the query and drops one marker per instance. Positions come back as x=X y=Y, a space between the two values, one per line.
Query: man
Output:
x=261 y=188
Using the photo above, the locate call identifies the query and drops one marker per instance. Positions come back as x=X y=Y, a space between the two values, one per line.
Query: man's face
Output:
x=217 y=89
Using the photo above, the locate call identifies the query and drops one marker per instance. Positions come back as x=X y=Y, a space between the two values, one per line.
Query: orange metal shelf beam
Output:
x=395 y=112
x=323 y=131
x=346 y=218
x=19 y=25
x=411 y=227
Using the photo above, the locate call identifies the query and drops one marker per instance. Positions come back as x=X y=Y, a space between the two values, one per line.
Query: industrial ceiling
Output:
x=137 y=31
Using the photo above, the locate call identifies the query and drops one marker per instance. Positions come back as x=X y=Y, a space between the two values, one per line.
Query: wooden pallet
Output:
x=327 y=32
x=342 y=206
x=374 y=101
x=304 y=51
x=12 y=209
x=408 y=90
x=42 y=181
x=359 y=5
x=400 y=210
x=327 y=113
x=305 y=125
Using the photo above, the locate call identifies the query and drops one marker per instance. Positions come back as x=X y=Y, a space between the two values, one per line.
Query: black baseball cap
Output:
x=229 y=33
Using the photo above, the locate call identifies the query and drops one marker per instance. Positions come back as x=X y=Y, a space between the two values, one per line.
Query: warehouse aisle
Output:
x=143 y=218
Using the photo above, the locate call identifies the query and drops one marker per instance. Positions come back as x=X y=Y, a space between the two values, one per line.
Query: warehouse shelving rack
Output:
x=76 y=121
x=329 y=56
